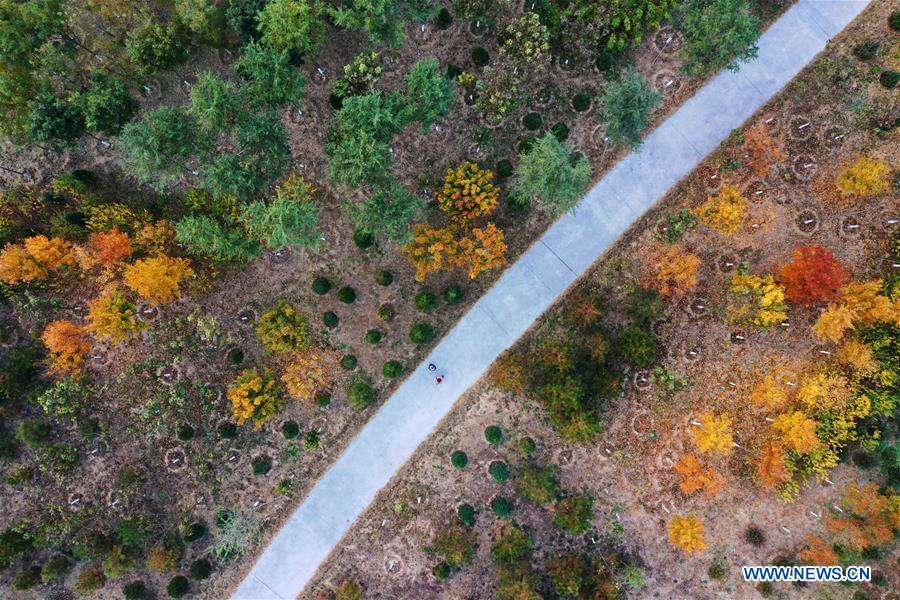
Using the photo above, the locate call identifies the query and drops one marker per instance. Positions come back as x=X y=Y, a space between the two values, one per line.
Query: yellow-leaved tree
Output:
x=797 y=430
x=769 y=394
x=823 y=391
x=111 y=316
x=865 y=177
x=714 y=433
x=686 y=533
x=157 y=279
x=862 y=303
x=723 y=212
x=67 y=345
x=255 y=396
x=759 y=300
x=309 y=371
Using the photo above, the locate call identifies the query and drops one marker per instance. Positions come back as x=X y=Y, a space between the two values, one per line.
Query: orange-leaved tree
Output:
x=798 y=431
x=483 y=251
x=51 y=252
x=431 y=249
x=714 y=433
x=771 y=469
x=813 y=275
x=869 y=517
x=468 y=192
x=308 y=371
x=817 y=552
x=677 y=272
x=109 y=247
x=18 y=266
x=764 y=149
x=111 y=316
x=67 y=344
x=686 y=533
x=694 y=477
x=157 y=279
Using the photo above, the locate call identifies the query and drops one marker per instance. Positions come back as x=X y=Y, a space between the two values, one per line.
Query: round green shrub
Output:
x=311 y=439
x=499 y=471
x=362 y=239
x=441 y=571
x=560 y=131
x=889 y=79
x=894 y=20
x=185 y=432
x=349 y=362
x=196 y=531
x=466 y=514
x=480 y=56
x=392 y=369
x=200 y=569
x=504 y=169
x=321 y=286
x=384 y=278
x=330 y=320
x=178 y=586
x=421 y=333
x=27 y=578
x=55 y=569
x=532 y=121
x=716 y=571
x=136 y=590
x=459 y=459
x=425 y=301
x=323 y=399
x=526 y=446
x=453 y=294
x=639 y=346
x=525 y=145
x=290 y=430
x=347 y=295
x=373 y=336
x=581 y=101
x=235 y=356
x=228 y=431
x=866 y=50
x=261 y=465
x=385 y=312
x=501 y=506
x=361 y=394
x=443 y=19
x=493 y=434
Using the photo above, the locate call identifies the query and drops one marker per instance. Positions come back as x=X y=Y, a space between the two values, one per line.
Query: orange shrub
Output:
x=111 y=246
x=686 y=533
x=17 y=265
x=484 y=251
x=770 y=466
x=868 y=518
x=817 y=552
x=814 y=275
x=762 y=147
x=694 y=477
x=677 y=272
x=50 y=252
x=156 y=279
x=67 y=345
x=431 y=249
x=308 y=371
x=468 y=192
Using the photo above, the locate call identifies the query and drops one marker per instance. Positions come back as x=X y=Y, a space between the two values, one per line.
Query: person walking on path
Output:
x=438 y=377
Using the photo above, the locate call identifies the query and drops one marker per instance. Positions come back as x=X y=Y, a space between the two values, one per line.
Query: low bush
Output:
x=290 y=430
x=321 y=286
x=894 y=20
x=283 y=328
x=425 y=301
x=526 y=446
x=466 y=513
x=442 y=570
x=33 y=433
x=866 y=50
x=384 y=278
x=178 y=586
x=330 y=320
x=311 y=440
x=27 y=578
x=421 y=333
x=493 y=434
x=349 y=362
x=889 y=79
x=501 y=506
x=361 y=394
x=235 y=356
x=574 y=514
x=453 y=294
x=639 y=347
x=373 y=336
x=503 y=169
x=499 y=471
x=196 y=531
x=136 y=590
x=362 y=239
x=200 y=569
x=385 y=312
x=459 y=459
x=392 y=369
x=323 y=399
x=184 y=432
x=228 y=431
x=261 y=465
x=754 y=536
x=532 y=121
x=538 y=484
x=581 y=101
x=347 y=295
x=480 y=56
x=560 y=131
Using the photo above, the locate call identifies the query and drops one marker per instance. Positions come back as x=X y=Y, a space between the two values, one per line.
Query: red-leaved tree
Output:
x=814 y=275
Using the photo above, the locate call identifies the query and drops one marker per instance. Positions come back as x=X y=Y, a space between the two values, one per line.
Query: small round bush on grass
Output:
x=441 y=571
x=363 y=240
x=235 y=356
x=228 y=431
x=373 y=336
x=480 y=56
x=754 y=536
x=261 y=465
x=311 y=440
x=501 y=506
x=443 y=19
x=290 y=430
x=453 y=294
x=493 y=434
x=866 y=50
x=425 y=301
x=196 y=531
x=526 y=446
x=178 y=586
x=384 y=278
x=385 y=312
x=889 y=79
x=581 y=102
x=466 y=514
x=560 y=131
x=349 y=362
x=185 y=432
x=532 y=121
x=361 y=394
x=421 y=333
x=136 y=590
x=330 y=320
x=347 y=295
x=392 y=369
x=323 y=399
x=894 y=20
x=503 y=169
x=499 y=471
x=321 y=286
x=27 y=578
x=459 y=459
x=200 y=569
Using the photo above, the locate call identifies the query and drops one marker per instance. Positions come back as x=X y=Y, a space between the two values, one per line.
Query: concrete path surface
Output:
x=529 y=287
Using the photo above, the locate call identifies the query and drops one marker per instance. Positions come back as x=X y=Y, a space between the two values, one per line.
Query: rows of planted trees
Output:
x=228 y=227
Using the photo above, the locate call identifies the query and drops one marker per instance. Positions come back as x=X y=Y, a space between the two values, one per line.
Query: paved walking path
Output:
x=529 y=287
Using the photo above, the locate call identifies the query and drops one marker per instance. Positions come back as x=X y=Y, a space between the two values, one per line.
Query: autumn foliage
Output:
x=67 y=345
x=857 y=304
x=254 y=396
x=817 y=552
x=757 y=299
x=814 y=275
x=468 y=192
x=686 y=533
x=157 y=279
x=868 y=518
x=483 y=251
x=109 y=247
x=309 y=371
x=677 y=272
x=695 y=478
x=798 y=431
x=432 y=249
x=770 y=466
x=714 y=433
x=34 y=258
x=112 y=316
x=865 y=177
x=762 y=147
x=723 y=212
